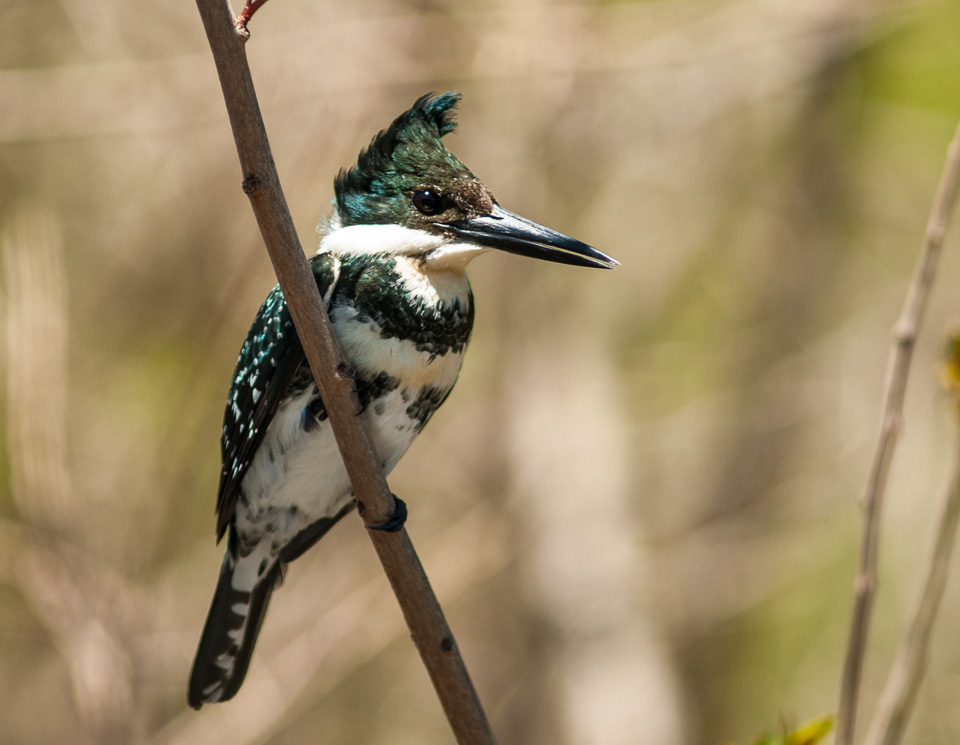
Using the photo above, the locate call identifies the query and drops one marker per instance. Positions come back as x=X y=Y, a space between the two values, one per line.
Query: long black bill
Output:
x=518 y=235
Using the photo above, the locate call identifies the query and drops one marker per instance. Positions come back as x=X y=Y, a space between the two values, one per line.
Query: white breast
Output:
x=363 y=345
x=297 y=476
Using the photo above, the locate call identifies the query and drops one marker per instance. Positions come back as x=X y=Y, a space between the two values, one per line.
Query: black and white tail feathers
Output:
x=230 y=633
x=239 y=604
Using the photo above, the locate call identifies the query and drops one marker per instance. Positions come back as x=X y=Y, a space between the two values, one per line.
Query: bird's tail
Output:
x=239 y=604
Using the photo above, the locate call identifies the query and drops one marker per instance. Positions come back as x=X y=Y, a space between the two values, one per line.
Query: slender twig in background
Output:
x=905 y=334
x=910 y=664
x=334 y=378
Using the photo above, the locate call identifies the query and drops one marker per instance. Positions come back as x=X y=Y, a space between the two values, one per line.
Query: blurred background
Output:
x=639 y=506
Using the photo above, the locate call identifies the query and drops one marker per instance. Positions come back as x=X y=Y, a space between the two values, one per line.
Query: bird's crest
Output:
x=406 y=155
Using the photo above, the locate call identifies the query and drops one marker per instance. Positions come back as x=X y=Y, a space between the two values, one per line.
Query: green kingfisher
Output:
x=407 y=219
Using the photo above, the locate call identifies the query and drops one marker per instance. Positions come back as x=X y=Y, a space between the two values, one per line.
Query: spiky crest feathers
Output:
x=406 y=155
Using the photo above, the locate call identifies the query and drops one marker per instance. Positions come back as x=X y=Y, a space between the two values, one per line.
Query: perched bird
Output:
x=407 y=219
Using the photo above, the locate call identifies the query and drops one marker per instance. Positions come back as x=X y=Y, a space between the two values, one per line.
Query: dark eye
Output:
x=428 y=201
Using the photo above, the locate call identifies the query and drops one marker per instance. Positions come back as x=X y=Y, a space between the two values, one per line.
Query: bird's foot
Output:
x=396 y=519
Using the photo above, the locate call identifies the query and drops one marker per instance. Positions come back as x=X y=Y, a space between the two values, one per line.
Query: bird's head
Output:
x=426 y=202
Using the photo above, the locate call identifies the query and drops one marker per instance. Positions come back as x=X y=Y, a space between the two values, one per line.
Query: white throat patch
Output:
x=391 y=239
x=439 y=252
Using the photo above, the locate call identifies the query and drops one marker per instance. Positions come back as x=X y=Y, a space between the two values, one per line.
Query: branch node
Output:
x=936 y=234
x=346 y=371
x=246 y=14
x=905 y=332
x=865 y=584
x=251 y=185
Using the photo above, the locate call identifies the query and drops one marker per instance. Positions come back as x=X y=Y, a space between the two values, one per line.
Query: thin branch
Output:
x=905 y=334
x=903 y=683
x=251 y=7
x=334 y=378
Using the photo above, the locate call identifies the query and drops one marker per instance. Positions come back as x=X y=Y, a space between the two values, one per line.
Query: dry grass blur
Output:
x=639 y=506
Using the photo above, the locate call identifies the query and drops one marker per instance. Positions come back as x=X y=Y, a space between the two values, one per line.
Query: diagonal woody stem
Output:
x=261 y=183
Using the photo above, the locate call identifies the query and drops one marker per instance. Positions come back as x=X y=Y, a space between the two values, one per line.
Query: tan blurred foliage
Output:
x=638 y=507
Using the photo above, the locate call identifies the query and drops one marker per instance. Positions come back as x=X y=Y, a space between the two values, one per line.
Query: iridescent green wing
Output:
x=268 y=362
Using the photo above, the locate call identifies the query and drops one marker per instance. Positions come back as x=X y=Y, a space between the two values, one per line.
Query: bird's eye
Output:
x=428 y=201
